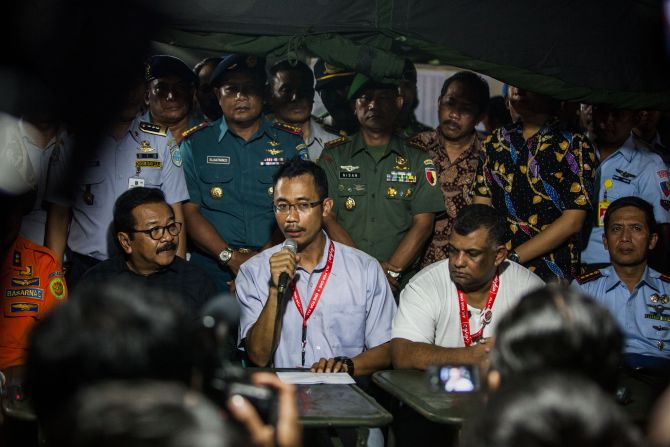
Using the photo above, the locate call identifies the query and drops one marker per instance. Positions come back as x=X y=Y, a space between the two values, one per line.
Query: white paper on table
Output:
x=310 y=378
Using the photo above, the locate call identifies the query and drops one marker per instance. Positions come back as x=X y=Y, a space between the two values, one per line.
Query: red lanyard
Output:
x=315 y=297
x=486 y=313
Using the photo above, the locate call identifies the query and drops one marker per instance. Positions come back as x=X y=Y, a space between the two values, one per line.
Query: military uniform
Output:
x=630 y=171
x=644 y=318
x=141 y=157
x=231 y=180
x=375 y=201
x=32 y=283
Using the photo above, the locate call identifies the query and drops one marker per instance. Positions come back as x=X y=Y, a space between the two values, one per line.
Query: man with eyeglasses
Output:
x=229 y=166
x=148 y=233
x=338 y=307
x=385 y=192
x=171 y=86
x=132 y=153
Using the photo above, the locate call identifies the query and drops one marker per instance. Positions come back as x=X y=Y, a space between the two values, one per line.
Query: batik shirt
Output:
x=532 y=182
x=455 y=179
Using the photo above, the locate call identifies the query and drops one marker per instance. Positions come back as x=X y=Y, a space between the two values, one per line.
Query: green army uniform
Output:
x=231 y=180
x=375 y=201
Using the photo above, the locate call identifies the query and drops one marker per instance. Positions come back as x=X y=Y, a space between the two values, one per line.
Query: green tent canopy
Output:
x=600 y=52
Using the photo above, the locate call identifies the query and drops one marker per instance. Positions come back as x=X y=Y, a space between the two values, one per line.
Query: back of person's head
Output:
x=296 y=167
x=109 y=331
x=551 y=410
x=128 y=201
x=140 y=414
x=557 y=328
x=473 y=217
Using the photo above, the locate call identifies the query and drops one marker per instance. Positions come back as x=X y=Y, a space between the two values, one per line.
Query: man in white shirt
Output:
x=450 y=308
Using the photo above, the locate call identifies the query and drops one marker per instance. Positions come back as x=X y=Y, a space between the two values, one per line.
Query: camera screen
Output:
x=454 y=378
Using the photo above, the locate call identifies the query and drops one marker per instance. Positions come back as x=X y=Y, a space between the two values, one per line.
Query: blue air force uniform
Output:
x=141 y=157
x=644 y=315
x=231 y=180
x=630 y=171
x=644 y=318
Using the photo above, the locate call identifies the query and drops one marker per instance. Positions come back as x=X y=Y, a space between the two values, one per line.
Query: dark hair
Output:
x=473 y=217
x=128 y=201
x=296 y=166
x=551 y=410
x=206 y=61
x=636 y=202
x=498 y=112
x=115 y=330
x=476 y=83
x=298 y=66
x=140 y=414
x=558 y=328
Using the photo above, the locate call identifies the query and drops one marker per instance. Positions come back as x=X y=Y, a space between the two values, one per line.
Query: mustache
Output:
x=294 y=229
x=170 y=246
x=451 y=123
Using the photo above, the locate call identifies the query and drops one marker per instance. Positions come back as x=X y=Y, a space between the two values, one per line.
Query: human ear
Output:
x=124 y=240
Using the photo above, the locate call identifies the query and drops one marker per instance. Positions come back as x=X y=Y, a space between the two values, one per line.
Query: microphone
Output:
x=292 y=246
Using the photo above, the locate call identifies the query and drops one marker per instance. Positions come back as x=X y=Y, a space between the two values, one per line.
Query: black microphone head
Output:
x=291 y=245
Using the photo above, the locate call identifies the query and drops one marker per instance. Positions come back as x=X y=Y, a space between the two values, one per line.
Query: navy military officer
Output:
x=229 y=166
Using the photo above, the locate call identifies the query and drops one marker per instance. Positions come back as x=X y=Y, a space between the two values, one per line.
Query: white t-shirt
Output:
x=429 y=313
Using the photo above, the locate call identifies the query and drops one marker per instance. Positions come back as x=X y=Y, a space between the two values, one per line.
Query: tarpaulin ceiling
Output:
x=601 y=52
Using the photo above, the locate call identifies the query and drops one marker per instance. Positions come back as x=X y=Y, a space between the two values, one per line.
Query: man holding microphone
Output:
x=336 y=312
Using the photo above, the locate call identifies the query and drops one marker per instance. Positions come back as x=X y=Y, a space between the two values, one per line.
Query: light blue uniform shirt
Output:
x=634 y=172
x=633 y=311
x=354 y=314
x=106 y=176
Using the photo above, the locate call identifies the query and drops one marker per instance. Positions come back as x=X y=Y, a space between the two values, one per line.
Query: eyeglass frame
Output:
x=148 y=232
x=295 y=205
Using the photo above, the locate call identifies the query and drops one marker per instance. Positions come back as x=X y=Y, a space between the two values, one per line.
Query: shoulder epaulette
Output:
x=588 y=277
x=336 y=142
x=664 y=277
x=417 y=143
x=153 y=128
x=194 y=129
x=295 y=130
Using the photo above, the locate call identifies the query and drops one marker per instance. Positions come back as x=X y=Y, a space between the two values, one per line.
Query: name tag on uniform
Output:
x=155 y=164
x=350 y=174
x=143 y=156
x=218 y=160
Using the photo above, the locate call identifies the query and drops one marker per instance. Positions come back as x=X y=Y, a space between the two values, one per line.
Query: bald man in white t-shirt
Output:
x=449 y=309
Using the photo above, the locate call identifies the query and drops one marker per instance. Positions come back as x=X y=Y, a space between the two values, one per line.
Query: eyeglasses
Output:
x=301 y=207
x=156 y=233
x=241 y=89
x=163 y=89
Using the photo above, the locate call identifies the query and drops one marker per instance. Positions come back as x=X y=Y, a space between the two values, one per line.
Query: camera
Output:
x=221 y=379
x=453 y=378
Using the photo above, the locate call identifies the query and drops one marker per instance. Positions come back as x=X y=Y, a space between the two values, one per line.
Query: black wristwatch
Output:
x=348 y=363
x=513 y=256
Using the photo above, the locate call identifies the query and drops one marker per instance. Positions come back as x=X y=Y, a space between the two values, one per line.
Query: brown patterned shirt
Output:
x=455 y=178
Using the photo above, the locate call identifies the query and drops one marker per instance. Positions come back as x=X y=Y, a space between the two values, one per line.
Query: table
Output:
x=410 y=387
x=326 y=405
